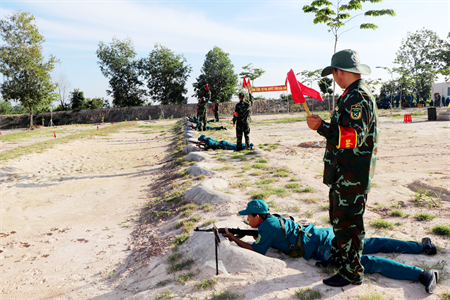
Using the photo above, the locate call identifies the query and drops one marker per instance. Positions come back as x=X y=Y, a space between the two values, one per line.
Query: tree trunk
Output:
x=31 y=117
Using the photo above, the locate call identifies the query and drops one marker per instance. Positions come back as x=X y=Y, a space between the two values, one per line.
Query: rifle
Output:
x=240 y=233
x=201 y=146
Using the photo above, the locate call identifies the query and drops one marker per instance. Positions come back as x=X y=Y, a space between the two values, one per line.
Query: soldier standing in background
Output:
x=201 y=111
x=350 y=157
x=241 y=120
x=216 y=111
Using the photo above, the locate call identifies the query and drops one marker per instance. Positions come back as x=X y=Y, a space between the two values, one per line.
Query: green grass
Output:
x=174 y=257
x=256 y=173
x=424 y=217
x=442 y=230
x=308 y=294
x=260 y=166
x=240 y=184
x=445 y=295
x=382 y=224
x=224 y=168
x=240 y=157
x=397 y=213
x=245 y=168
x=206 y=283
x=195 y=218
x=209 y=222
x=292 y=185
x=180 y=239
x=424 y=197
x=269 y=147
x=166 y=295
x=266 y=181
x=186 y=277
x=187 y=213
x=273 y=205
x=189 y=206
x=262 y=161
x=281 y=174
x=294 y=179
x=226 y=295
x=185 y=264
x=206 y=207
x=304 y=190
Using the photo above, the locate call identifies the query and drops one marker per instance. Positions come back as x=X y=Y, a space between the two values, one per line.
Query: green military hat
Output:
x=346 y=60
x=257 y=206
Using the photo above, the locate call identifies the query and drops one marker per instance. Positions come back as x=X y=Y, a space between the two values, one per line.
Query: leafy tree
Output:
x=218 y=73
x=251 y=72
x=77 y=100
x=336 y=14
x=117 y=63
x=325 y=85
x=166 y=75
x=95 y=103
x=422 y=54
x=26 y=73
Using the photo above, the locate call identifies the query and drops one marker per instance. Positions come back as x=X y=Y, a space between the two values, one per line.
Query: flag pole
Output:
x=305 y=106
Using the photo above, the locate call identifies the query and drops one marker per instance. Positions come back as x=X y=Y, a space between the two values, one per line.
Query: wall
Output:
x=151 y=112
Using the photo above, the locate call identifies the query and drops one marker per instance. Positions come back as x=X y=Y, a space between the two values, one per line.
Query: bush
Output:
x=442 y=230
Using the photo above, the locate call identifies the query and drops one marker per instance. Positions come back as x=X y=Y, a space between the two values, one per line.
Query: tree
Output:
x=95 y=103
x=63 y=90
x=324 y=86
x=251 y=72
x=77 y=100
x=423 y=54
x=339 y=15
x=117 y=63
x=218 y=73
x=26 y=73
x=166 y=75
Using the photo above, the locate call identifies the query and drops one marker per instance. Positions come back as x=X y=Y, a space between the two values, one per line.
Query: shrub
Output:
x=442 y=230
x=425 y=217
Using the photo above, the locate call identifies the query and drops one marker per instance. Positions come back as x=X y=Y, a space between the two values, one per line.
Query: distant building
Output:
x=442 y=88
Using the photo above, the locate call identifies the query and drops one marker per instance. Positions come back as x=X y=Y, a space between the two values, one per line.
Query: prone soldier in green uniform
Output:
x=350 y=157
x=241 y=120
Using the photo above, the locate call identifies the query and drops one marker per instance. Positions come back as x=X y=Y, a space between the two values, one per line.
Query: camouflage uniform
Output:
x=241 y=119
x=201 y=112
x=216 y=111
x=350 y=157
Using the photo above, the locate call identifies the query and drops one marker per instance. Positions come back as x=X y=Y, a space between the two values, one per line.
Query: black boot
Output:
x=428 y=247
x=338 y=281
x=429 y=278
x=326 y=264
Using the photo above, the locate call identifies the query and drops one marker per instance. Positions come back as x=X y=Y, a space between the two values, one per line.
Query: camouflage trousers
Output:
x=216 y=116
x=202 y=122
x=346 y=215
x=242 y=128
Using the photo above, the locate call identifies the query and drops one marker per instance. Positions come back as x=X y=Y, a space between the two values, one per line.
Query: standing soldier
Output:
x=201 y=111
x=241 y=119
x=350 y=157
x=216 y=111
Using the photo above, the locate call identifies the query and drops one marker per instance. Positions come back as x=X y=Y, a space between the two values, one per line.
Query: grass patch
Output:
x=397 y=213
x=424 y=217
x=180 y=239
x=174 y=257
x=426 y=198
x=185 y=264
x=206 y=283
x=293 y=209
x=195 y=218
x=187 y=213
x=189 y=206
x=292 y=185
x=308 y=294
x=226 y=295
x=269 y=147
x=382 y=224
x=239 y=184
x=186 y=277
x=294 y=179
x=245 y=168
x=281 y=174
x=240 y=157
x=209 y=222
x=263 y=195
x=442 y=230
x=273 y=205
x=256 y=173
x=260 y=166
x=374 y=296
x=445 y=295
x=166 y=295
x=224 y=168
x=266 y=181
x=304 y=190
x=262 y=161
x=206 y=207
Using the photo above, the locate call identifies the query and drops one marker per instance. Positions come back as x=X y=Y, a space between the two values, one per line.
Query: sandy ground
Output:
x=67 y=214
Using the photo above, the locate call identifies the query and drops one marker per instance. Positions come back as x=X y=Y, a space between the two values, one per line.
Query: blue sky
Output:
x=273 y=35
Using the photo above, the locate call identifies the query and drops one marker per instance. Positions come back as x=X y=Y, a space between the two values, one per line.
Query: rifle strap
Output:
x=296 y=250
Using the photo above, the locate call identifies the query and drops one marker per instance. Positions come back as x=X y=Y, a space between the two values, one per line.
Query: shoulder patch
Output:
x=258 y=239
x=356 y=112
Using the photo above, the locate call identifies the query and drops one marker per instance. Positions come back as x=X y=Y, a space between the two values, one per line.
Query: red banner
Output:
x=274 y=88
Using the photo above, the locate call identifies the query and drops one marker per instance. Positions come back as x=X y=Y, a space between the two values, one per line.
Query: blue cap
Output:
x=255 y=207
x=202 y=138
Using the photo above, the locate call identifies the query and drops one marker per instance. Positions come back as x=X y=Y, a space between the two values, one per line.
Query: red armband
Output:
x=347 y=138
x=236 y=114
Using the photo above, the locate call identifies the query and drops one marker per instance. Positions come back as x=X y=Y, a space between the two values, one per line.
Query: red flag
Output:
x=248 y=83
x=207 y=87
x=111 y=123
x=296 y=92
x=54 y=133
x=244 y=84
x=310 y=92
x=97 y=126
